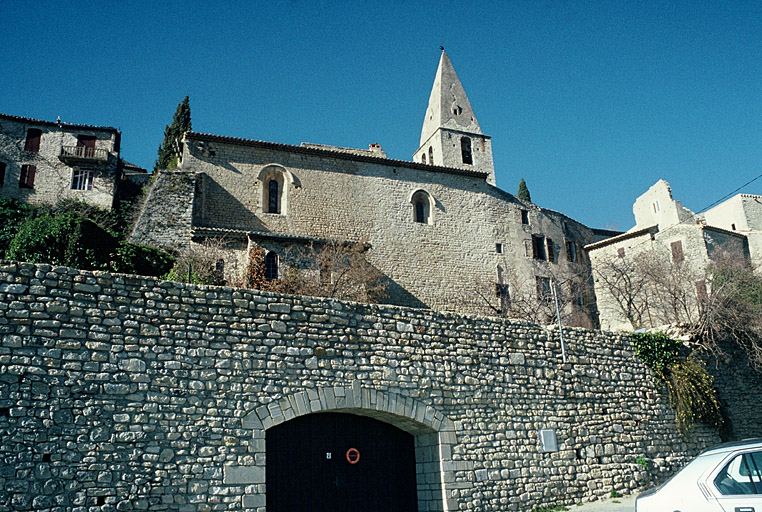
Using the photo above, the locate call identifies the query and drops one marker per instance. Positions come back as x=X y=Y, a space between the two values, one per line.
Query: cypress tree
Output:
x=181 y=123
x=523 y=193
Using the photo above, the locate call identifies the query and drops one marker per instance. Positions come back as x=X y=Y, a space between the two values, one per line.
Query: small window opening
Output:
x=525 y=217
x=733 y=227
x=45 y=457
x=32 y=143
x=421 y=208
x=538 y=247
x=26 y=178
x=677 y=251
x=423 y=158
x=431 y=155
x=272 y=197
x=499 y=248
x=620 y=252
x=101 y=500
x=271 y=265
x=571 y=251
x=465 y=150
x=2 y=174
x=5 y=411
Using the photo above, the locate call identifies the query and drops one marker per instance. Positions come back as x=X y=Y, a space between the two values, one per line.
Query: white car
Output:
x=726 y=478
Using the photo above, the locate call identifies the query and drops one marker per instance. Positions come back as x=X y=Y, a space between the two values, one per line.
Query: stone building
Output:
x=669 y=236
x=437 y=228
x=44 y=162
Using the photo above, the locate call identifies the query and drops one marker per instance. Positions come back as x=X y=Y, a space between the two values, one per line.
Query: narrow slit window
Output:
x=525 y=217
x=431 y=155
x=465 y=150
x=272 y=197
x=271 y=265
x=2 y=174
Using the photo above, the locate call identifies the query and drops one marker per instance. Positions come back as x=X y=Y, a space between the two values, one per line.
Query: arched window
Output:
x=421 y=202
x=275 y=182
x=423 y=158
x=271 y=265
x=273 y=197
x=431 y=156
x=465 y=150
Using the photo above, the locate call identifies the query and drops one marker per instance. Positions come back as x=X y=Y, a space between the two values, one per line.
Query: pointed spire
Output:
x=448 y=104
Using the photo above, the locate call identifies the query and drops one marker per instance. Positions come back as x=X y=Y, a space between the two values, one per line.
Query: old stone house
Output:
x=667 y=237
x=44 y=162
x=437 y=227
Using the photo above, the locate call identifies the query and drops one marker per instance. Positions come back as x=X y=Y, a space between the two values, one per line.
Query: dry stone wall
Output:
x=126 y=393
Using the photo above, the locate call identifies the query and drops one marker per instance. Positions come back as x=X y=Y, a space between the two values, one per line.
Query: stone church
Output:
x=437 y=228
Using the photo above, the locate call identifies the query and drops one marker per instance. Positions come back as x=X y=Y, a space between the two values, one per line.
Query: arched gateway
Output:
x=346 y=448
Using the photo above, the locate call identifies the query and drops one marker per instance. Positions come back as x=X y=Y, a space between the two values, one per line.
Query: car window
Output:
x=742 y=475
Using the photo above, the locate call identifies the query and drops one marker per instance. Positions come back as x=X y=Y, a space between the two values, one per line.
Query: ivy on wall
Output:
x=691 y=391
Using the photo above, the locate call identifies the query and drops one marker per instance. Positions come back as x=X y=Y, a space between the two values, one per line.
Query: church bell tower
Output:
x=451 y=136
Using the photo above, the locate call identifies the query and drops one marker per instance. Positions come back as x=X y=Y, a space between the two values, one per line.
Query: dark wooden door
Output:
x=308 y=470
x=86 y=145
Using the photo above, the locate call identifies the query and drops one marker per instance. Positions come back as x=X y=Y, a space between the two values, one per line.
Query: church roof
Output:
x=448 y=104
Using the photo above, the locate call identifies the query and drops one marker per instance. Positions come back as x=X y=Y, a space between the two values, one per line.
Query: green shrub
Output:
x=12 y=215
x=132 y=258
x=67 y=239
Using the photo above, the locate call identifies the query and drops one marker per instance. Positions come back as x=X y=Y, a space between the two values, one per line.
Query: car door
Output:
x=738 y=483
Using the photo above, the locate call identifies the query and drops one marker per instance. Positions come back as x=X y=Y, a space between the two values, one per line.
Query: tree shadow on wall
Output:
x=219 y=208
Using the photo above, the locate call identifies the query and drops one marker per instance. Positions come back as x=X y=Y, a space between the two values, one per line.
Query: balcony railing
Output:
x=83 y=153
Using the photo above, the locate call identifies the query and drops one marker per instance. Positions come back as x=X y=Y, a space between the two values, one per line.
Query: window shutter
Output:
x=33 y=140
x=677 y=251
x=551 y=251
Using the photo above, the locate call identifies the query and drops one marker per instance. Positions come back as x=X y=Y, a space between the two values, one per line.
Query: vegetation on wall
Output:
x=691 y=392
x=75 y=234
x=173 y=133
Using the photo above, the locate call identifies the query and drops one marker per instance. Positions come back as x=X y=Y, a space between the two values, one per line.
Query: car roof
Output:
x=734 y=445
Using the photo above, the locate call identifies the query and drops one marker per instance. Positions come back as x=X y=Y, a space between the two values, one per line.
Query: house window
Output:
x=271 y=265
x=86 y=146
x=2 y=174
x=620 y=252
x=273 y=197
x=499 y=248
x=677 y=251
x=431 y=155
x=26 y=179
x=733 y=227
x=525 y=217
x=538 y=247
x=421 y=207
x=32 y=143
x=465 y=150
x=571 y=251
x=543 y=288
x=82 y=179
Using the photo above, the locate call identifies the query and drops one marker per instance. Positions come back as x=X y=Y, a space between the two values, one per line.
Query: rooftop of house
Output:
x=58 y=124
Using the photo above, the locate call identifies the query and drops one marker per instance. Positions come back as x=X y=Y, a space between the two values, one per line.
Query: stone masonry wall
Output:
x=167 y=216
x=126 y=393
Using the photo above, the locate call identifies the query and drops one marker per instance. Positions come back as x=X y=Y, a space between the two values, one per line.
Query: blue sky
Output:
x=589 y=102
